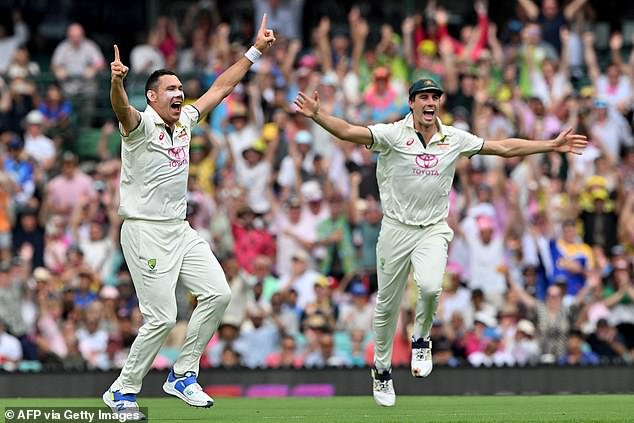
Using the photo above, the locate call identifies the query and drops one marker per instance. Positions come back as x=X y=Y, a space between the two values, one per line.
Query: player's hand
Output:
x=117 y=69
x=567 y=142
x=265 y=37
x=307 y=106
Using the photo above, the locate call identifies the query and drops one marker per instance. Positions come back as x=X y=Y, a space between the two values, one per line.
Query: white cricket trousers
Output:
x=399 y=248
x=160 y=254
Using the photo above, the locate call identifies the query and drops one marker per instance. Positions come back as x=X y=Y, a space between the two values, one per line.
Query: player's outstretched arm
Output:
x=225 y=83
x=341 y=129
x=126 y=114
x=566 y=142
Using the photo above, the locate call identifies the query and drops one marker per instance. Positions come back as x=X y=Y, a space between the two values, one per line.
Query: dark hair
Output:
x=153 y=80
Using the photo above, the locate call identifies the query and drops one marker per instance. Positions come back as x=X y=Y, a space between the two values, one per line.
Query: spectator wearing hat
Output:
x=484 y=328
x=599 y=219
x=323 y=303
x=298 y=166
x=204 y=149
x=227 y=333
x=250 y=238
x=301 y=278
x=255 y=171
x=383 y=102
x=525 y=349
x=20 y=170
x=356 y=315
x=37 y=145
x=486 y=259
x=239 y=131
x=610 y=130
x=484 y=343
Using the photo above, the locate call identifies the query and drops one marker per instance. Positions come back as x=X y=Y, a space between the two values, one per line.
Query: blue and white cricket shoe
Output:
x=422 y=363
x=124 y=405
x=187 y=389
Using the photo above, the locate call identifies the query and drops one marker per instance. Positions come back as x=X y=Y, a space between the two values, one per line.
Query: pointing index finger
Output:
x=263 y=26
x=116 y=54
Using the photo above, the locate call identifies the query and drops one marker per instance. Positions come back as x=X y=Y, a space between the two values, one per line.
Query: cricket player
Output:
x=159 y=246
x=416 y=166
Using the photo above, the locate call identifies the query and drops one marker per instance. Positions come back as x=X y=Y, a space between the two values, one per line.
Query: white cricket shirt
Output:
x=155 y=166
x=415 y=180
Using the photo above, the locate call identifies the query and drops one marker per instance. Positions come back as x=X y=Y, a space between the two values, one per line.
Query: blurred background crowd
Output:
x=540 y=269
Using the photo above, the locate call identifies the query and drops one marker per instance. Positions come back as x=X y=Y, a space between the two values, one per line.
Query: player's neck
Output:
x=427 y=131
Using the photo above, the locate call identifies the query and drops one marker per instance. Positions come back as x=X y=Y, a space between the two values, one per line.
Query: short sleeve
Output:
x=138 y=133
x=381 y=136
x=190 y=115
x=470 y=145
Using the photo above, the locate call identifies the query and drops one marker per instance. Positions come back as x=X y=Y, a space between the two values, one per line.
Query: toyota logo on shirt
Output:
x=177 y=153
x=178 y=156
x=426 y=165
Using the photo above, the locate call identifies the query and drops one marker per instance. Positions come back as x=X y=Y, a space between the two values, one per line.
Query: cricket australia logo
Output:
x=151 y=264
x=426 y=164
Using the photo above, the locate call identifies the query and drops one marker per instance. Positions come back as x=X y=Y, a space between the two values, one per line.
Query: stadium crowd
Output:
x=540 y=269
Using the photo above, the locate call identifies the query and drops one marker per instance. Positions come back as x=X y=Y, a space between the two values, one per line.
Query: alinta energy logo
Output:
x=178 y=156
x=426 y=164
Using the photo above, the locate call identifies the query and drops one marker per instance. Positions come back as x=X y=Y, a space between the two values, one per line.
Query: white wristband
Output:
x=253 y=54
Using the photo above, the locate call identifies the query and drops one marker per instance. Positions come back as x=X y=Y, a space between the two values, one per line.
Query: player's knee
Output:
x=427 y=290
x=165 y=324
x=224 y=298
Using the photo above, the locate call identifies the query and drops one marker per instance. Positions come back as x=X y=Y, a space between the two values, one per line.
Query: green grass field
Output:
x=556 y=408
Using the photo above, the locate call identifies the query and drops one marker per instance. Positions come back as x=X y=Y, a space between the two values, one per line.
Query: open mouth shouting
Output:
x=176 y=105
x=428 y=114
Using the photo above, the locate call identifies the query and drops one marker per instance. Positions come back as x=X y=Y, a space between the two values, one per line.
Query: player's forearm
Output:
x=230 y=77
x=342 y=129
x=119 y=99
x=512 y=147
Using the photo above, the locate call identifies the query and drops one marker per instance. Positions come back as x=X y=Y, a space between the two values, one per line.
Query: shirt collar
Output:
x=157 y=119
x=438 y=136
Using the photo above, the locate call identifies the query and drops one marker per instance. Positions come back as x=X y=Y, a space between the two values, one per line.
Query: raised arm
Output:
x=572 y=8
x=590 y=57
x=225 y=83
x=566 y=142
x=530 y=8
x=126 y=114
x=341 y=129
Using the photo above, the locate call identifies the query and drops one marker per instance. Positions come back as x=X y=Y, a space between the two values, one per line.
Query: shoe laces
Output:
x=382 y=385
x=422 y=353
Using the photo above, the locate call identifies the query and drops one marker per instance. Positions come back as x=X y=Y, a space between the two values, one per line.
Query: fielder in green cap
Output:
x=415 y=170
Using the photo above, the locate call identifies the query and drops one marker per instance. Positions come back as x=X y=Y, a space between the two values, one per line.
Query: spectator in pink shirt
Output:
x=69 y=189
